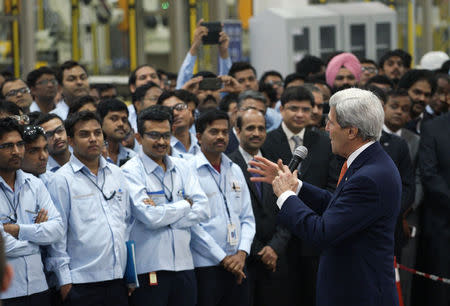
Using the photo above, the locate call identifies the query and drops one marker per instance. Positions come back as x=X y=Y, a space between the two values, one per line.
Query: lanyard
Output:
x=164 y=187
x=103 y=185
x=11 y=205
x=221 y=192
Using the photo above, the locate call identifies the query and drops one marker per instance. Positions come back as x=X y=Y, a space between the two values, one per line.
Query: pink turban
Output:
x=348 y=60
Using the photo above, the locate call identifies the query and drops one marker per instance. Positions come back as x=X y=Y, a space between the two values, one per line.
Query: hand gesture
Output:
x=286 y=180
x=224 y=42
x=230 y=84
x=199 y=32
x=42 y=216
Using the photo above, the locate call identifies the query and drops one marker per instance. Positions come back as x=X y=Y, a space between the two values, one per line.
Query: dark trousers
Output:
x=218 y=287
x=41 y=298
x=269 y=288
x=108 y=293
x=173 y=289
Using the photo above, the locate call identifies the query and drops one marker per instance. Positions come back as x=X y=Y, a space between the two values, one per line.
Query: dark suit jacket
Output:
x=265 y=211
x=233 y=143
x=354 y=228
x=434 y=163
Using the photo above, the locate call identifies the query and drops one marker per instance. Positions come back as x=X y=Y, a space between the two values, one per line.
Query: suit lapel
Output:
x=243 y=165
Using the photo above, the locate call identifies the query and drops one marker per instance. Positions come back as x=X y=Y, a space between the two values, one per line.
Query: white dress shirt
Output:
x=290 y=134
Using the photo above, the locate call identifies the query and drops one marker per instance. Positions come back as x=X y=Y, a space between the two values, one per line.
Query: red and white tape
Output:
x=426 y=275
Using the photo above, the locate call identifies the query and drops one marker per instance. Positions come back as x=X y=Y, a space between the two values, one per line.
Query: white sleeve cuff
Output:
x=283 y=197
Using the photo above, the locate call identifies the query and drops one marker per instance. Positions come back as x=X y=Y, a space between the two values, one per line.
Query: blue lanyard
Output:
x=221 y=192
x=164 y=187
x=11 y=205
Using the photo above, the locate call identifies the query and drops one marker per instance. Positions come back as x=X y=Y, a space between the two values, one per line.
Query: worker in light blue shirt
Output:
x=186 y=70
x=29 y=220
x=93 y=200
x=221 y=244
x=162 y=228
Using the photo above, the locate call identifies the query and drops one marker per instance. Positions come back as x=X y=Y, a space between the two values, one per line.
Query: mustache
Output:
x=420 y=102
x=157 y=146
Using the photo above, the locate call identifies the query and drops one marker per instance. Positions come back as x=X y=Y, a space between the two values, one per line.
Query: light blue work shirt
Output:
x=273 y=119
x=124 y=155
x=132 y=117
x=46 y=177
x=179 y=146
x=187 y=68
x=93 y=247
x=61 y=109
x=209 y=239
x=162 y=233
x=23 y=254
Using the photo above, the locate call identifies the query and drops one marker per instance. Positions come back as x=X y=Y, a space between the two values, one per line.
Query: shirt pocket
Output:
x=84 y=207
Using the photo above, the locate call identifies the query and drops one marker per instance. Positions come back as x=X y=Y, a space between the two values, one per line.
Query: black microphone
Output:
x=299 y=154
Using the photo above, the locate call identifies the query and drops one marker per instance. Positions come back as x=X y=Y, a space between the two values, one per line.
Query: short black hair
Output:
x=80 y=102
x=9 y=108
x=34 y=116
x=47 y=117
x=74 y=118
x=186 y=96
x=132 y=77
x=368 y=61
x=110 y=105
x=224 y=104
x=390 y=54
x=377 y=91
x=269 y=91
x=264 y=76
x=164 y=96
x=406 y=57
x=205 y=74
x=207 y=117
x=180 y=94
x=7 y=74
x=297 y=93
x=104 y=87
x=293 y=77
x=157 y=113
x=380 y=79
x=240 y=66
x=34 y=75
x=8 y=80
x=32 y=132
x=397 y=93
x=8 y=125
x=140 y=91
x=414 y=75
x=309 y=64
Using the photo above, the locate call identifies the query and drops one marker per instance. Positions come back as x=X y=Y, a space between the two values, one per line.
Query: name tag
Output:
x=232 y=236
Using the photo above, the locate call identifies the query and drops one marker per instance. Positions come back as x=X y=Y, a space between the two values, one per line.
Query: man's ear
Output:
x=352 y=132
x=70 y=141
x=138 y=138
x=7 y=278
x=199 y=136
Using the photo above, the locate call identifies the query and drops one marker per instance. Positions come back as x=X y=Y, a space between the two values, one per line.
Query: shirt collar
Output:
x=21 y=179
x=150 y=166
x=429 y=110
x=290 y=134
x=201 y=161
x=77 y=165
x=387 y=130
x=358 y=151
x=174 y=142
x=247 y=156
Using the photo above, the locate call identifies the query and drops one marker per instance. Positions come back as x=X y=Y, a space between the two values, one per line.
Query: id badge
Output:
x=153 y=280
x=232 y=237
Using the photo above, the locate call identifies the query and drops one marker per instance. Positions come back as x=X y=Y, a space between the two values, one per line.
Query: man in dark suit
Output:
x=434 y=164
x=320 y=168
x=248 y=99
x=354 y=226
x=267 y=263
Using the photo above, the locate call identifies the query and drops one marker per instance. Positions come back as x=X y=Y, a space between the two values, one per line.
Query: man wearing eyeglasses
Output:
x=44 y=87
x=93 y=200
x=144 y=96
x=162 y=230
x=317 y=119
x=29 y=220
x=58 y=147
x=16 y=91
x=183 y=142
x=369 y=69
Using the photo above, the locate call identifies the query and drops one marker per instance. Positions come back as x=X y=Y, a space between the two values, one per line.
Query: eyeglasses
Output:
x=15 y=92
x=369 y=69
x=59 y=130
x=158 y=135
x=22 y=119
x=10 y=145
x=33 y=130
x=179 y=107
x=45 y=82
x=298 y=108
x=278 y=83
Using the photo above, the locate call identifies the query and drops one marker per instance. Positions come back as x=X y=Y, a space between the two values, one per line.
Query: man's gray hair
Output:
x=251 y=94
x=361 y=109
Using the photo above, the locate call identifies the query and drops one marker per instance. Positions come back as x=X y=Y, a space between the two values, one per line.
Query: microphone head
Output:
x=301 y=151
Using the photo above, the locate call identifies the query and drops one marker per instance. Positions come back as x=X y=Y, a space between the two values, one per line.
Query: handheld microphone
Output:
x=299 y=154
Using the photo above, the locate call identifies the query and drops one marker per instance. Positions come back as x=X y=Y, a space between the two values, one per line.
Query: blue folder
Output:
x=131 y=277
